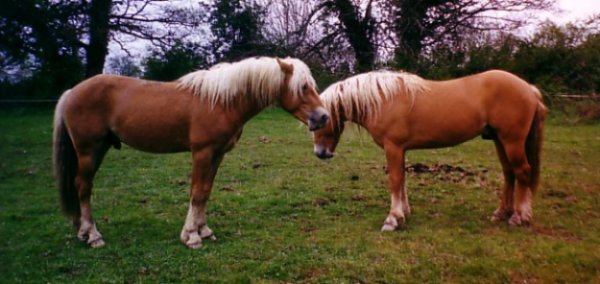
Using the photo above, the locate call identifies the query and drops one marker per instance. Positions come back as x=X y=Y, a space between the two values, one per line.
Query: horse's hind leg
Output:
x=522 y=196
x=505 y=209
x=88 y=163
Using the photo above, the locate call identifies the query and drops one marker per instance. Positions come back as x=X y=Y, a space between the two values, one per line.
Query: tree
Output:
x=421 y=23
x=561 y=58
x=124 y=66
x=98 y=30
x=359 y=31
x=66 y=41
x=38 y=34
x=236 y=29
x=170 y=63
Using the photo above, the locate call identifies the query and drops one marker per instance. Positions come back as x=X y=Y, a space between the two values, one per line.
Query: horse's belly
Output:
x=449 y=140
x=154 y=138
x=445 y=134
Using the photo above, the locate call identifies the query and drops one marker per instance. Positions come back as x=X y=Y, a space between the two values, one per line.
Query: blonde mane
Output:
x=259 y=77
x=362 y=95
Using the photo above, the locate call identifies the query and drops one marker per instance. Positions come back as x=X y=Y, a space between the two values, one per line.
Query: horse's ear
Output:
x=285 y=67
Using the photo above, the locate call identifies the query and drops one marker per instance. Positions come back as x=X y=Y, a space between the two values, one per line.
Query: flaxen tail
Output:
x=533 y=145
x=64 y=159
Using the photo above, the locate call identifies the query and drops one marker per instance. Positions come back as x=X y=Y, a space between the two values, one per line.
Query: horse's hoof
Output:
x=500 y=214
x=194 y=241
x=207 y=233
x=96 y=243
x=515 y=220
x=194 y=245
x=520 y=219
x=498 y=217
x=391 y=223
x=387 y=228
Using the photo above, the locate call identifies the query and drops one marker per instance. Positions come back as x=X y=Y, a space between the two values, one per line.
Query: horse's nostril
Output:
x=324 y=154
x=324 y=117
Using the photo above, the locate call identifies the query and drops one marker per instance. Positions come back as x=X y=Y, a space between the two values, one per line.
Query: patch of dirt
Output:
x=308 y=276
x=445 y=172
x=571 y=199
x=181 y=182
x=264 y=140
x=330 y=189
x=517 y=277
x=321 y=201
x=228 y=189
x=358 y=197
x=307 y=228
x=435 y=168
x=555 y=233
x=555 y=193
x=491 y=231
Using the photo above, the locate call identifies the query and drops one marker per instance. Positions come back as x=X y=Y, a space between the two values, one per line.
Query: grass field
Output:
x=281 y=215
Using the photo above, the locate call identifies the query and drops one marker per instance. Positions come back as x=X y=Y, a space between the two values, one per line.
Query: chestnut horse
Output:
x=202 y=112
x=402 y=112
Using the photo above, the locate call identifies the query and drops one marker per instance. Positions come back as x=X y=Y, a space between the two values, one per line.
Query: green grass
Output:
x=281 y=215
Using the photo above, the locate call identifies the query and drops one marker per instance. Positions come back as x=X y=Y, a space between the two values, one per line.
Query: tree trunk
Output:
x=97 y=49
x=358 y=32
x=411 y=31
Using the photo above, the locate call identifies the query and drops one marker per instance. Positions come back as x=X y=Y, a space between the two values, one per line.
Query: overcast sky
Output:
x=576 y=9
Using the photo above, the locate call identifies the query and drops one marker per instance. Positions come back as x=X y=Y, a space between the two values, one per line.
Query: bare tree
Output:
x=374 y=30
x=306 y=30
x=421 y=23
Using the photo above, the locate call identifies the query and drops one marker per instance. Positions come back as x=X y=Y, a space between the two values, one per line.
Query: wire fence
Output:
x=43 y=102
x=28 y=101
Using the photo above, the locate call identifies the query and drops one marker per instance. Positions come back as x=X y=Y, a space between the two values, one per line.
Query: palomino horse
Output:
x=402 y=111
x=202 y=112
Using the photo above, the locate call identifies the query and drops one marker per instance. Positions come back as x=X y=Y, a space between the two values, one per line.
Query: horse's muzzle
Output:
x=322 y=152
x=317 y=119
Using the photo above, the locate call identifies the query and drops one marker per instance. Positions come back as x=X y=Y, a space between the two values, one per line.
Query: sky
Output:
x=575 y=9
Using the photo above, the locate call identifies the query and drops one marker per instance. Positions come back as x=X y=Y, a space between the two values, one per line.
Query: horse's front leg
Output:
x=204 y=168
x=399 y=208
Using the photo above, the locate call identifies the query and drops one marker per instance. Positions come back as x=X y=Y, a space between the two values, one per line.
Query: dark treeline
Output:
x=47 y=46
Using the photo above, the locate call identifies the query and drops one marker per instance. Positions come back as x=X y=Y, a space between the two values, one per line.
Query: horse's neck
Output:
x=245 y=109
x=364 y=121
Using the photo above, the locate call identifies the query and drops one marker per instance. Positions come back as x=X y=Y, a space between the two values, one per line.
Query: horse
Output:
x=402 y=111
x=203 y=112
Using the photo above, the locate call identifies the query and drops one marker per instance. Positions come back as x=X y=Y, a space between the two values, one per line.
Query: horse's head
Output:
x=299 y=95
x=327 y=138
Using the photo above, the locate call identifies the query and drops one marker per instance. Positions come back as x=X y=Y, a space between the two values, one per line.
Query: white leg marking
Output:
x=195 y=228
